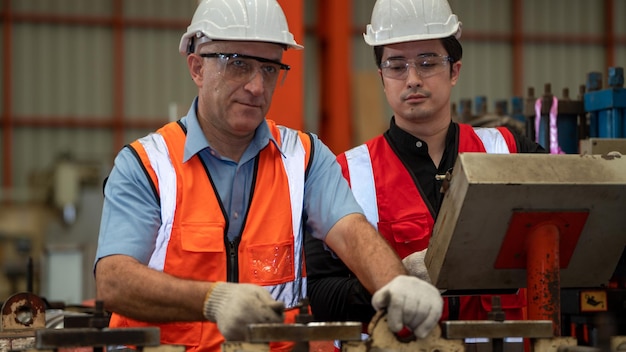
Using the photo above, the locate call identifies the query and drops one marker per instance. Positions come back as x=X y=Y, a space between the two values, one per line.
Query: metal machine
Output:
x=553 y=221
x=25 y=328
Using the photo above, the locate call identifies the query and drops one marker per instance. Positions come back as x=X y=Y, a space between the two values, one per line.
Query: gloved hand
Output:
x=414 y=264
x=234 y=306
x=410 y=302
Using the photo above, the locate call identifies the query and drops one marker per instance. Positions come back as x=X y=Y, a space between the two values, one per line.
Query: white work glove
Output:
x=414 y=264
x=411 y=303
x=234 y=306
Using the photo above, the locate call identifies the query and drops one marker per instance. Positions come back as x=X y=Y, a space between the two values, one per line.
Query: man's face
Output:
x=235 y=91
x=415 y=98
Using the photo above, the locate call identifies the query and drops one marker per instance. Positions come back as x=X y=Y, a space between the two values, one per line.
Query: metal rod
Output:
x=543 y=274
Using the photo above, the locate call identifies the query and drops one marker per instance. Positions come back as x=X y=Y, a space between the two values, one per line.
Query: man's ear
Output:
x=456 y=71
x=194 y=63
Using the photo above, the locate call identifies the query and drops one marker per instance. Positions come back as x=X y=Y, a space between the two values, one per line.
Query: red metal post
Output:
x=288 y=101
x=334 y=28
x=609 y=33
x=543 y=274
x=518 y=47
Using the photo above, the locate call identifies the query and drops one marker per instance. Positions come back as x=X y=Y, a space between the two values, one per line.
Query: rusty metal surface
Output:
x=553 y=345
x=353 y=346
x=383 y=340
x=461 y=329
x=245 y=347
x=346 y=331
x=17 y=339
x=23 y=310
x=15 y=342
x=602 y=145
x=55 y=338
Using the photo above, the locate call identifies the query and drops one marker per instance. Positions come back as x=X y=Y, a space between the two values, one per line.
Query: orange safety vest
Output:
x=192 y=243
x=403 y=218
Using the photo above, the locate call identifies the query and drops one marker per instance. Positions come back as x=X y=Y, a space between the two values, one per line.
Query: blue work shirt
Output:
x=131 y=215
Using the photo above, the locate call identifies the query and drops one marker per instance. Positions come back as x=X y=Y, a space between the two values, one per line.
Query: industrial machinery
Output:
x=22 y=314
x=554 y=221
x=25 y=327
x=556 y=123
x=607 y=107
x=584 y=309
x=482 y=118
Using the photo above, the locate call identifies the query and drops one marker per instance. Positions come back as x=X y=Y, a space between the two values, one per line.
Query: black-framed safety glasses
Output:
x=242 y=68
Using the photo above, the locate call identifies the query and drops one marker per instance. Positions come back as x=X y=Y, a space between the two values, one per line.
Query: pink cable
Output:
x=554 y=135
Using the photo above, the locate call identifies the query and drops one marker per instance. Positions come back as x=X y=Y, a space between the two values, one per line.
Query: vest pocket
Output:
x=271 y=264
x=407 y=236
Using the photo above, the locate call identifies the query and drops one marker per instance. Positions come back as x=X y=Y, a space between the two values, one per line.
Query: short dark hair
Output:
x=451 y=44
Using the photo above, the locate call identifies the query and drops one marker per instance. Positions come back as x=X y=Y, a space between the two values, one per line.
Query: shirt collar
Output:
x=196 y=141
x=411 y=144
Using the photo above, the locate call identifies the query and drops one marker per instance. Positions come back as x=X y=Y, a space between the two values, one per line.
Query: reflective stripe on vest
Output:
x=492 y=139
x=360 y=163
x=157 y=153
x=291 y=145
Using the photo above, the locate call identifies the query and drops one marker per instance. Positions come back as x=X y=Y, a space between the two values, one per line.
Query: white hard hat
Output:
x=397 y=21
x=245 y=20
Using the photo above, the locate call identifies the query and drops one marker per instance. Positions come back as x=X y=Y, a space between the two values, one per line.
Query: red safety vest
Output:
x=393 y=204
x=191 y=241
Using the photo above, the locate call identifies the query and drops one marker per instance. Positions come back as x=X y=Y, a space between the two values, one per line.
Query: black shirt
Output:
x=334 y=292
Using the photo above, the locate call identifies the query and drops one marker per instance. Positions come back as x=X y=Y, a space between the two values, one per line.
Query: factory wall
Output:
x=62 y=59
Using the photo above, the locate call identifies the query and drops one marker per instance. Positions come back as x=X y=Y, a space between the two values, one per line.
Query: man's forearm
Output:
x=364 y=251
x=132 y=289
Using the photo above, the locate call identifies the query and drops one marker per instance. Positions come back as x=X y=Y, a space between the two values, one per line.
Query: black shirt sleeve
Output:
x=334 y=292
x=525 y=144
